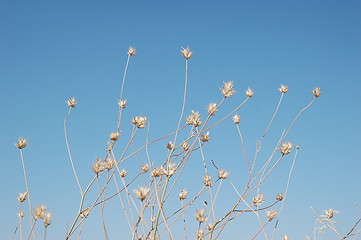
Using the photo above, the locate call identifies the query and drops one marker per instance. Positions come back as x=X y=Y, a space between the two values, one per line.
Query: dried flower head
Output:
x=257 y=200
x=200 y=216
x=200 y=234
x=207 y=180
x=283 y=89
x=114 y=136
x=210 y=226
x=109 y=163
x=227 y=89
x=249 y=92
x=286 y=148
x=170 y=170
x=141 y=193
x=22 y=196
x=186 y=52
x=156 y=172
x=98 y=166
x=131 y=51
x=329 y=213
x=271 y=214
x=22 y=142
x=139 y=121
x=185 y=146
x=47 y=219
x=317 y=92
x=85 y=213
x=123 y=173
x=170 y=145
x=285 y=237
x=205 y=137
x=145 y=168
x=194 y=119
x=183 y=194
x=122 y=103
x=222 y=174
x=236 y=119
x=279 y=197
x=212 y=108
x=39 y=212
x=21 y=214
x=71 y=102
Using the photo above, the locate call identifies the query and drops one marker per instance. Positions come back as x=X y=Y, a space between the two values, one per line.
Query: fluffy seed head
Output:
x=222 y=174
x=271 y=214
x=279 y=197
x=286 y=148
x=114 y=136
x=39 y=212
x=317 y=92
x=71 y=102
x=186 y=52
x=139 y=121
x=47 y=219
x=22 y=142
x=123 y=173
x=200 y=216
x=257 y=200
x=249 y=92
x=207 y=180
x=227 y=89
x=98 y=166
x=236 y=119
x=194 y=119
x=141 y=193
x=183 y=194
x=212 y=108
x=283 y=89
x=122 y=103
x=131 y=51
x=22 y=196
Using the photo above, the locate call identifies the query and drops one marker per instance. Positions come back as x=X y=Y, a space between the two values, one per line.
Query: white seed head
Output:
x=170 y=170
x=183 y=194
x=109 y=163
x=329 y=213
x=200 y=234
x=141 y=193
x=185 y=146
x=257 y=200
x=194 y=119
x=271 y=214
x=22 y=196
x=279 y=197
x=186 y=52
x=286 y=148
x=200 y=216
x=22 y=142
x=39 y=212
x=170 y=145
x=123 y=173
x=207 y=180
x=47 y=219
x=205 y=137
x=122 y=103
x=145 y=168
x=249 y=93
x=283 y=89
x=227 y=89
x=139 y=121
x=156 y=172
x=236 y=119
x=98 y=166
x=317 y=92
x=222 y=174
x=71 y=102
x=131 y=51
x=114 y=136
x=212 y=108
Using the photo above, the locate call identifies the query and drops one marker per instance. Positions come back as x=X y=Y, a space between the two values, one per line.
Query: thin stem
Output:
x=121 y=91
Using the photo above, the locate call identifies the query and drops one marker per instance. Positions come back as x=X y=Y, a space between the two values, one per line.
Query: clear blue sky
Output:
x=53 y=50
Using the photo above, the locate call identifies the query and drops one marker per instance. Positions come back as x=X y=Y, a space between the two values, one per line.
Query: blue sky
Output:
x=51 y=51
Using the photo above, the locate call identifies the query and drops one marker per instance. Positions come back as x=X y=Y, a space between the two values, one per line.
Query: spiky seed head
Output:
x=249 y=92
x=227 y=89
x=141 y=193
x=317 y=92
x=279 y=197
x=85 y=213
x=186 y=52
x=109 y=163
x=286 y=148
x=236 y=119
x=39 y=212
x=207 y=180
x=114 y=136
x=131 y=51
x=71 y=102
x=257 y=200
x=185 y=146
x=22 y=196
x=47 y=219
x=139 y=121
x=183 y=194
x=145 y=168
x=22 y=142
x=98 y=166
x=122 y=103
x=271 y=214
x=123 y=173
x=194 y=119
x=329 y=213
x=212 y=109
x=222 y=174
x=205 y=137
x=170 y=145
x=200 y=215
x=283 y=89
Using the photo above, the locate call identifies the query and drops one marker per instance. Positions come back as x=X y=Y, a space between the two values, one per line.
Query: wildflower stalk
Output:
x=102 y=209
x=121 y=91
